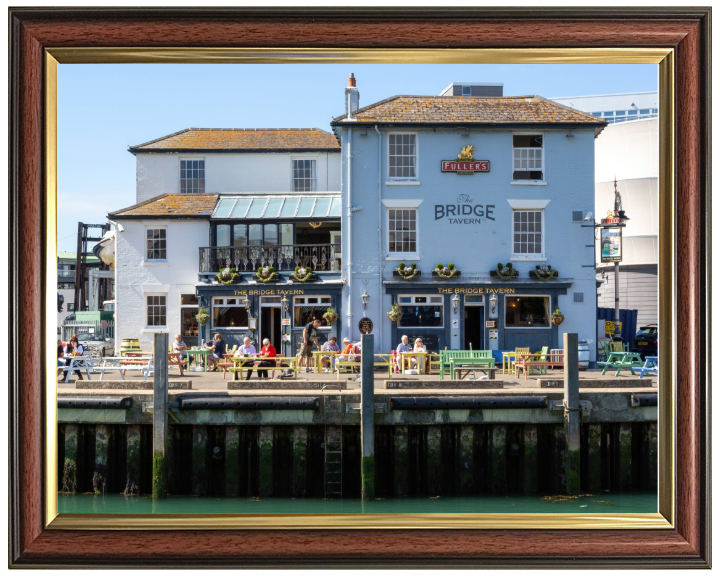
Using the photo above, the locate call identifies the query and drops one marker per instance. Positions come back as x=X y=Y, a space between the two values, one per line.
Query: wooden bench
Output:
x=458 y=371
x=447 y=355
x=291 y=364
x=524 y=362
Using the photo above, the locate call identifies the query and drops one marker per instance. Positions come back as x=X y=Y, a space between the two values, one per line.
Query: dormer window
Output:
x=467 y=91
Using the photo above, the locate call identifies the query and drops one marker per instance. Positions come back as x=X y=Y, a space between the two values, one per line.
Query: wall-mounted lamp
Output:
x=456 y=303
x=493 y=303
x=365 y=297
x=246 y=303
x=285 y=304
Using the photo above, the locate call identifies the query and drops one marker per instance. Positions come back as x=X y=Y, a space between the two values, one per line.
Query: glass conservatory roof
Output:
x=275 y=206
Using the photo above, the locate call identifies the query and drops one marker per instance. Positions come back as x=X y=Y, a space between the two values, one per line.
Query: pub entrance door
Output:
x=270 y=314
x=474 y=332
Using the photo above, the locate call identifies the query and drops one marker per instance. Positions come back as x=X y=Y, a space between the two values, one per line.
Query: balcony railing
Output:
x=318 y=257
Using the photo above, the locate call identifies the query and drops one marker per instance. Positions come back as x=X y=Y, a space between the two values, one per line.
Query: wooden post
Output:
x=134 y=462
x=594 y=457
x=160 y=417
x=401 y=460
x=498 y=458
x=367 y=416
x=300 y=441
x=200 y=460
x=102 y=472
x=265 y=460
x=530 y=459
x=572 y=413
x=73 y=457
x=433 y=451
x=467 y=459
x=232 y=460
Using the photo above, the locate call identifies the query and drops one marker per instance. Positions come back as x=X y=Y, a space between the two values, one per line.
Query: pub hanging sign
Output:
x=465 y=163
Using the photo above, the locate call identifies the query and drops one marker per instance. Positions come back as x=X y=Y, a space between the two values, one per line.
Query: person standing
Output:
x=309 y=338
x=267 y=351
x=247 y=350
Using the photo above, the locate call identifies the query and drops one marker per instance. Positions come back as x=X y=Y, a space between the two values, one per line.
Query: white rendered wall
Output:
x=135 y=279
x=234 y=173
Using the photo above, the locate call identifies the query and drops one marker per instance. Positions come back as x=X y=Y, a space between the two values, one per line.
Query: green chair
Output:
x=543 y=358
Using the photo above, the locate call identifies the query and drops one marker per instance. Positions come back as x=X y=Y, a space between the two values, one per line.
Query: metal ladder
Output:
x=332 y=408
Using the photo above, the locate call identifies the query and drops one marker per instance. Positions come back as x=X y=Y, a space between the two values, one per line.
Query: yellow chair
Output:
x=518 y=352
x=233 y=349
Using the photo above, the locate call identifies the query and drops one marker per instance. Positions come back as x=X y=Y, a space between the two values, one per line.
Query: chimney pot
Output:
x=351 y=80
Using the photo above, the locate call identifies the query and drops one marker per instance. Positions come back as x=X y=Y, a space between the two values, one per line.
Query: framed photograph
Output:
x=483 y=419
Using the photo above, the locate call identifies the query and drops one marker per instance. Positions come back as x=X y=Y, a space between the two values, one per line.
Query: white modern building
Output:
x=214 y=199
x=628 y=151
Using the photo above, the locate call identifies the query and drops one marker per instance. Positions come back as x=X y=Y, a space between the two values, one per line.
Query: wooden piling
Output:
x=367 y=416
x=467 y=459
x=559 y=456
x=433 y=457
x=265 y=460
x=624 y=456
x=232 y=460
x=200 y=461
x=102 y=473
x=160 y=417
x=651 y=448
x=530 y=458
x=401 y=460
x=594 y=464
x=498 y=457
x=73 y=458
x=300 y=447
x=133 y=482
x=572 y=413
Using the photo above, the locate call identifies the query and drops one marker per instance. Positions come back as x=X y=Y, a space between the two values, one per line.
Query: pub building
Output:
x=494 y=189
x=215 y=208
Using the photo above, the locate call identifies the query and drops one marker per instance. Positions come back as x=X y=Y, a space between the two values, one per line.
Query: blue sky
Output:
x=103 y=109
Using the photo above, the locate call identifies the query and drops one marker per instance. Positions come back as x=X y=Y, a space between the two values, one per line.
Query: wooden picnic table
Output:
x=651 y=365
x=383 y=360
x=291 y=362
x=507 y=355
x=203 y=353
x=457 y=366
x=78 y=363
x=523 y=362
x=622 y=361
x=318 y=354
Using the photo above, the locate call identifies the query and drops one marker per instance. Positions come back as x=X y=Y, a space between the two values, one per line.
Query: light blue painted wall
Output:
x=474 y=248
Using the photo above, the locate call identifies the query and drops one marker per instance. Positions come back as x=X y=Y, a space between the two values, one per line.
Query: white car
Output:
x=98 y=348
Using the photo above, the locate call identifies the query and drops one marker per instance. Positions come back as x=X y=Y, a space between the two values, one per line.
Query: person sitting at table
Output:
x=348 y=351
x=73 y=348
x=329 y=346
x=267 y=351
x=180 y=346
x=60 y=354
x=218 y=345
x=404 y=346
x=247 y=350
x=419 y=347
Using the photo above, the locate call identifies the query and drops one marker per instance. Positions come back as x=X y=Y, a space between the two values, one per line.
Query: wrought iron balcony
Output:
x=317 y=257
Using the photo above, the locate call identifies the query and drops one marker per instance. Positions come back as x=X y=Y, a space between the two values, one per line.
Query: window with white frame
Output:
x=528 y=157
x=304 y=176
x=192 y=176
x=528 y=233
x=402 y=156
x=420 y=311
x=156 y=311
x=309 y=308
x=229 y=313
x=402 y=231
x=156 y=244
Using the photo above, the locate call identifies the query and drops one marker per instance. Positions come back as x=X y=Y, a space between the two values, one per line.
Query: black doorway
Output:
x=270 y=327
x=474 y=332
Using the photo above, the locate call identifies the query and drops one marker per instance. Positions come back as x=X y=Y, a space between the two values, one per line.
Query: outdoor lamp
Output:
x=365 y=297
x=456 y=303
x=493 y=303
x=285 y=303
x=246 y=302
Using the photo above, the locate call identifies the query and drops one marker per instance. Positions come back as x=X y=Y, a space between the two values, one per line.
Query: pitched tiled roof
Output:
x=479 y=110
x=170 y=206
x=242 y=140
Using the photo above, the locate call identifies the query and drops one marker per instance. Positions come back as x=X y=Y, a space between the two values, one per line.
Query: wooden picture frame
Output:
x=680 y=39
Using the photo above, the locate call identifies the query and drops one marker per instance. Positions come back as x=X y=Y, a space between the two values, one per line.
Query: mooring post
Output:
x=572 y=413
x=367 y=416
x=160 y=417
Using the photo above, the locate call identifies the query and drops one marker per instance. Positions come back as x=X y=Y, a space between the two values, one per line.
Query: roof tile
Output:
x=242 y=140
x=173 y=205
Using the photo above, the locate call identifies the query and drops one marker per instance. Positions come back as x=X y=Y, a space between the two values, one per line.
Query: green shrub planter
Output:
x=446 y=272
x=406 y=273
x=228 y=276
x=266 y=274
x=543 y=273
x=297 y=276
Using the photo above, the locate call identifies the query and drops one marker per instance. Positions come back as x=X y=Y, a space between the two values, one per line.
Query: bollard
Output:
x=160 y=417
x=572 y=413
x=367 y=416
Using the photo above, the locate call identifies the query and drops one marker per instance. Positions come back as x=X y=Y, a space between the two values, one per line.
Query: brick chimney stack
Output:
x=352 y=95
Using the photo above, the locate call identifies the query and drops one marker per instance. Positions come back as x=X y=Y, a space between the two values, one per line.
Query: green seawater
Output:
x=600 y=502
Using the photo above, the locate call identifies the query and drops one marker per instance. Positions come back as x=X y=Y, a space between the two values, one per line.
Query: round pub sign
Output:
x=365 y=326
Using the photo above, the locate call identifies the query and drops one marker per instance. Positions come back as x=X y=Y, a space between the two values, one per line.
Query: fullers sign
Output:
x=465 y=163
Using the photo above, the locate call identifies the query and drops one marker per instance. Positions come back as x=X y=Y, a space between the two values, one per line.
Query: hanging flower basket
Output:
x=228 y=276
x=303 y=275
x=505 y=272
x=266 y=274
x=406 y=273
x=202 y=317
x=395 y=313
x=448 y=271
x=543 y=273
x=330 y=316
x=557 y=317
